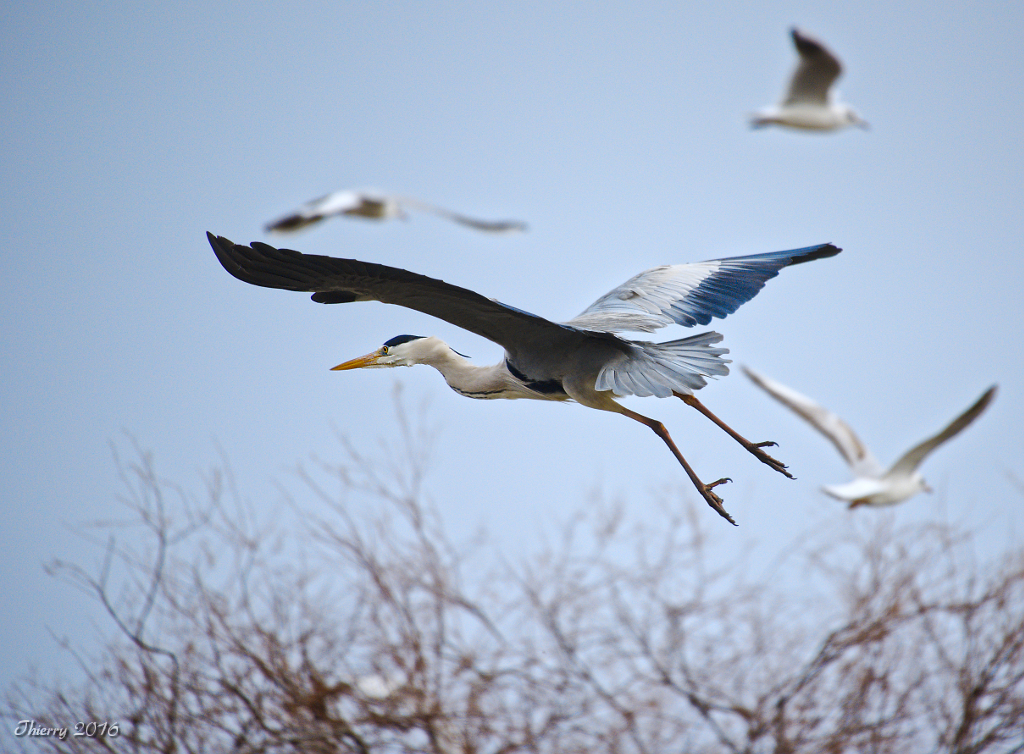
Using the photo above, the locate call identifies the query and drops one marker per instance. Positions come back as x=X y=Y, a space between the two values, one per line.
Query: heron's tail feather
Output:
x=664 y=368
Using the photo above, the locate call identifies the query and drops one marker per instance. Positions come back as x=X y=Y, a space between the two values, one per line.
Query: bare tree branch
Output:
x=350 y=622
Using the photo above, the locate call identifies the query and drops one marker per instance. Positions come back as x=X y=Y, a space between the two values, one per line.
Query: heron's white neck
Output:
x=464 y=377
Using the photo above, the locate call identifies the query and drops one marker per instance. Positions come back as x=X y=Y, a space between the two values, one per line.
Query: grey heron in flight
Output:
x=375 y=205
x=808 y=104
x=872 y=484
x=581 y=360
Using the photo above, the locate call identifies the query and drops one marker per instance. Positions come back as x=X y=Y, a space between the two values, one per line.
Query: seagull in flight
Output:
x=808 y=103
x=582 y=360
x=872 y=485
x=374 y=205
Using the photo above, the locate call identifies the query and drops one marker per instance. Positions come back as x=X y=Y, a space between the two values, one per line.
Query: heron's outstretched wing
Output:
x=913 y=457
x=339 y=281
x=817 y=70
x=853 y=451
x=690 y=294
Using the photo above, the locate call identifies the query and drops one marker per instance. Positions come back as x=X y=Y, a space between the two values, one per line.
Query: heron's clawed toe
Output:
x=714 y=500
x=765 y=444
x=779 y=466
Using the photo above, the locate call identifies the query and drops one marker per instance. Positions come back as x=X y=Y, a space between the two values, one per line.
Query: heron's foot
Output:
x=714 y=500
x=752 y=447
x=755 y=449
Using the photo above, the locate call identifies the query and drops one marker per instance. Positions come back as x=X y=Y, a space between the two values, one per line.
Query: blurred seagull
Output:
x=582 y=360
x=808 y=104
x=872 y=485
x=378 y=206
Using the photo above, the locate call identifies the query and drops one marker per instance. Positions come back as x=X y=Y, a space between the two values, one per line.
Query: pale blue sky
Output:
x=617 y=130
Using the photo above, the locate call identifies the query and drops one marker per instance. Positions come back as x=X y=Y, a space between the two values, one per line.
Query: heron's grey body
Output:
x=376 y=205
x=873 y=484
x=581 y=360
x=661 y=369
x=808 y=103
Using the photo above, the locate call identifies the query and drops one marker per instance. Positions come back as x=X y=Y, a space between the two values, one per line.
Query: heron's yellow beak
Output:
x=370 y=360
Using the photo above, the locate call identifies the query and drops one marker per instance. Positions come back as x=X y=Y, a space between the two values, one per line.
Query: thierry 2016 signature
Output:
x=80 y=729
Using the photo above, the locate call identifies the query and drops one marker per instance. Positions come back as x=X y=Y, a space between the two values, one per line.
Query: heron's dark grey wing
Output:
x=913 y=457
x=690 y=294
x=817 y=70
x=338 y=281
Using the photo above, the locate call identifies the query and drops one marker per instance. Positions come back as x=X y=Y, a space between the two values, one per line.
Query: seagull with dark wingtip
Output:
x=582 y=360
x=808 y=104
x=873 y=484
x=376 y=205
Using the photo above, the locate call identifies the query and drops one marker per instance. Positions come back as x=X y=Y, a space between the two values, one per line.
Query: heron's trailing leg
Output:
x=752 y=447
x=704 y=489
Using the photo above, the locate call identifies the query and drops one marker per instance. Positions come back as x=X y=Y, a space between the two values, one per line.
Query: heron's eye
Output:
x=384 y=350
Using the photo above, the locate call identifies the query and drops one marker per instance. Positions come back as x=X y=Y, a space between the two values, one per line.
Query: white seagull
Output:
x=376 y=205
x=872 y=484
x=808 y=104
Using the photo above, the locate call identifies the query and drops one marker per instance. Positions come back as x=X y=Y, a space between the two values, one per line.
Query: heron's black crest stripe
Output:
x=399 y=339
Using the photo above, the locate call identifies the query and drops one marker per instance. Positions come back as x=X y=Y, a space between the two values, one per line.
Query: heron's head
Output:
x=400 y=351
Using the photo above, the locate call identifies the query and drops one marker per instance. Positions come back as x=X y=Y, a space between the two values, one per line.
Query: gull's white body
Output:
x=888 y=489
x=808 y=103
x=829 y=117
x=375 y=205
x=872 y=485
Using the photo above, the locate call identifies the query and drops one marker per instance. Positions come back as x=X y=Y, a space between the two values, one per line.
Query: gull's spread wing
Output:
x=817 y=70
x=488 y=226
x=835 y=429
x=336 y=203
x=913 y=457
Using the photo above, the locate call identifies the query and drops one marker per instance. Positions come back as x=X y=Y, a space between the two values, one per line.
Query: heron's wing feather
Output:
x=337 y=281
x=838 y=432
x=690 y=294
x=661 y=369
x=489 y=226
x=817 y=70
x=913 y=457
